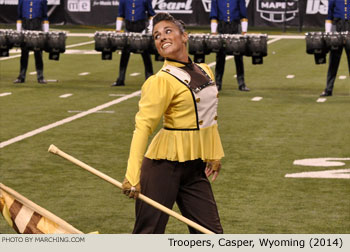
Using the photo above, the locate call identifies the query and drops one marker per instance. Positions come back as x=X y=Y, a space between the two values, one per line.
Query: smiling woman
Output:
x=187 y=150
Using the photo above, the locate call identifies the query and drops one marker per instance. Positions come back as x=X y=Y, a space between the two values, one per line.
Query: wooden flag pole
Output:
x=42 y=211
x=53 y=149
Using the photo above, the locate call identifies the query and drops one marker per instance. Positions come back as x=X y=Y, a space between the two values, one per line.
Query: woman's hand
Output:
x=129 y=190
x=213 y=168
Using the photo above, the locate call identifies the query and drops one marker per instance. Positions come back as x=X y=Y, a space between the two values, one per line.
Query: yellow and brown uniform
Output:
x=190 y=129
x=172 y=169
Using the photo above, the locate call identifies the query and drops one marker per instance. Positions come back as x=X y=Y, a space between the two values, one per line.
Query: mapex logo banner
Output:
x=179 y=7
x=277 y=11
x=79 y=5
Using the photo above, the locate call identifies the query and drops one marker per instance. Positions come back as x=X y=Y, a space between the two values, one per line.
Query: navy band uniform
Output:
x=135 y=14
x=339 y=16
x=226 y=17
x=32 y=15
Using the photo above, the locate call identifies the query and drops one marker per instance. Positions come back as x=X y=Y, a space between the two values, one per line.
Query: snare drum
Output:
x=235 y=44
x=34 y=40
x=333 y=40
x=138 y=43
x=213 y=43
x=315 y=43
x=196 y=43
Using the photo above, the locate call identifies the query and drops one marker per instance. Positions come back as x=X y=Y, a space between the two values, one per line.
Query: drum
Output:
x=346 y=39
x=15 y=38
x=315 y=43
x=34 y=40
x=102 y=41
x=235 y=44
x=118 y=40
x=56 y=44
x=4 y=44
x=333 y=40
x=213 y=43
x=138 y=43
x=257 y=45
x=196 y=43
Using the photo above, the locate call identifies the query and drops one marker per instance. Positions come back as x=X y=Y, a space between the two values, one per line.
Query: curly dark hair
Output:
x=163 y=16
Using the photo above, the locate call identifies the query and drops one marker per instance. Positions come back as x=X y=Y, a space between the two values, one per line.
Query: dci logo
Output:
x=79 y=5
x=277 y=11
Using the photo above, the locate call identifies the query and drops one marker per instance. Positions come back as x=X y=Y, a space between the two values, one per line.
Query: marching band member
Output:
x=226 y=18
x=134 y=13
x=32 y=15
x=338 y=15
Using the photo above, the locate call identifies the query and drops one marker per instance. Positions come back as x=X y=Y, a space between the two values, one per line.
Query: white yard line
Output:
x=290 y=76
x=67 y=120
x=342 y=77
x=65 y=95
x=117 y=94
x=5 y=94
x=321 y=99
x=84 y=73
x=104 y=111
x=258 y=98
x=81 y=44
x=135 y=74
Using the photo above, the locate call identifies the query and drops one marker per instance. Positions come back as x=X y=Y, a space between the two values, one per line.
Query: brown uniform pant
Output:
x=168 y=182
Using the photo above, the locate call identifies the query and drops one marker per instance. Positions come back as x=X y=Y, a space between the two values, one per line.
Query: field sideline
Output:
x=267 y=133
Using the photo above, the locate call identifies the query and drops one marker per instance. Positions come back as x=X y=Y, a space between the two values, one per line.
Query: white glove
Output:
x=19 y=25
x=46 y=26
x=150 y=26
x=328 y=26
x=244 y=25
x=119 y=24
x=213 y=26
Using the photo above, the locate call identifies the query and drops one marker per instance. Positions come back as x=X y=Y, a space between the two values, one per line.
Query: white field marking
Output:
x=321 y=100
x=235 y=76
x=135 y=74
x=334 y=174
x=81 y=44
x=74 y=51
x=117 y=94
x=258 y=98
x=342 y=77
x=68 y=119
x=5 y=94
x=105 y=111
x=32 y=73
x=31 y=53
x=324 y=162
x=84 y=73
x=268 y=42
x=90 y=35
x=290 y=76
x=65 y=95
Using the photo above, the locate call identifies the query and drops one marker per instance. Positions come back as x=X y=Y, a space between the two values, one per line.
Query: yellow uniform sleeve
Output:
x=156 y=95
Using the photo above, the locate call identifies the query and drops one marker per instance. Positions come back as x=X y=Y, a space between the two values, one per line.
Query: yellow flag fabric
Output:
x=28 y=218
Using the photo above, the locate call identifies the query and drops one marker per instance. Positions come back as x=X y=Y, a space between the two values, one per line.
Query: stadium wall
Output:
x=269 y=13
